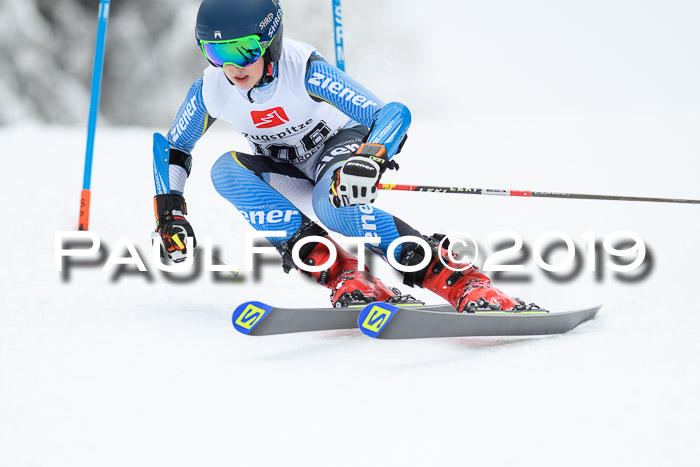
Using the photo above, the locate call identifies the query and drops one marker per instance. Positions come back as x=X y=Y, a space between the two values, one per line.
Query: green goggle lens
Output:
x=239 y=52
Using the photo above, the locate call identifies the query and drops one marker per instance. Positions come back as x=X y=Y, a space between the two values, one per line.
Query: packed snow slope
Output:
x=119 y=367
x=103 y=368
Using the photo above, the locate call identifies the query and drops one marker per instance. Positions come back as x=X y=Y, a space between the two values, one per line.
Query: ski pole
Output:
x=338 y=33
x=102 y=17
x=525 y=193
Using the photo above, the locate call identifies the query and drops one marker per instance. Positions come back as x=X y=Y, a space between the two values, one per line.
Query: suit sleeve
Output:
x=191 y=122
x=388 y=123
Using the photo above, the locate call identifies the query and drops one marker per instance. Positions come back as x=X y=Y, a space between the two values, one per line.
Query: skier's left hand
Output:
x=356 y=181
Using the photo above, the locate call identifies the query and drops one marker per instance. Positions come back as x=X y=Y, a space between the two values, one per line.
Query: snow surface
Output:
x=143 y=371
x=108 y=369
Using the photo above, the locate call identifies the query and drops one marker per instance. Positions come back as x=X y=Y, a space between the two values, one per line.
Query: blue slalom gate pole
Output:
x=102 y=18
x=338 y=32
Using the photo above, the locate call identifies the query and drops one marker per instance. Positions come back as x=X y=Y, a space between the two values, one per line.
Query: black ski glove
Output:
x=172 y=227
x=356 y=181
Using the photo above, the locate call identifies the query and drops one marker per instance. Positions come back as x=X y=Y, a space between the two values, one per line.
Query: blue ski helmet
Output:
x=222 y=20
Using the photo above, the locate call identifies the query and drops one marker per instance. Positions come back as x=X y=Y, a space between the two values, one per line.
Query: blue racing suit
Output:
x=264 y=184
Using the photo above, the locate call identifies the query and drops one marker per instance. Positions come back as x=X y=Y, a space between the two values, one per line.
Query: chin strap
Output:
x=269 y=74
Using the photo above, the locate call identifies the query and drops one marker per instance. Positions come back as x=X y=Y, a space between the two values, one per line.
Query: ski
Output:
x=385 y=321
x=260 y=319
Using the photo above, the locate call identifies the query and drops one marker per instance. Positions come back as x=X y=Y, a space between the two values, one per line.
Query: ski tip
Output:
x=374 y=318
x=248 y=315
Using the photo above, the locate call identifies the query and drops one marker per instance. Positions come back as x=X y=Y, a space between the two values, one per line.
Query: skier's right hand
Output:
x=173 y=227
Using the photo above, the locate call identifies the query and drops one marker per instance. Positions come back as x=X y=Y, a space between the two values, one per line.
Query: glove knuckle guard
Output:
x=172 y=226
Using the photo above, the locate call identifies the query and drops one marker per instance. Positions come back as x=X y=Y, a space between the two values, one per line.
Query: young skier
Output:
x=314 y=132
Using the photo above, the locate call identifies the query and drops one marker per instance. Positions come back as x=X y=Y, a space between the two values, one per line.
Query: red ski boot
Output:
x=468 y=290
x=348 y=285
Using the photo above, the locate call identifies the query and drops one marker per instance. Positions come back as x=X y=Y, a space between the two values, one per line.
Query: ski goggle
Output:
x=238 y=52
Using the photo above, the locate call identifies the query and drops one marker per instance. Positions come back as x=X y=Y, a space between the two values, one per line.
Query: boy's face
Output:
x=245 y=78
